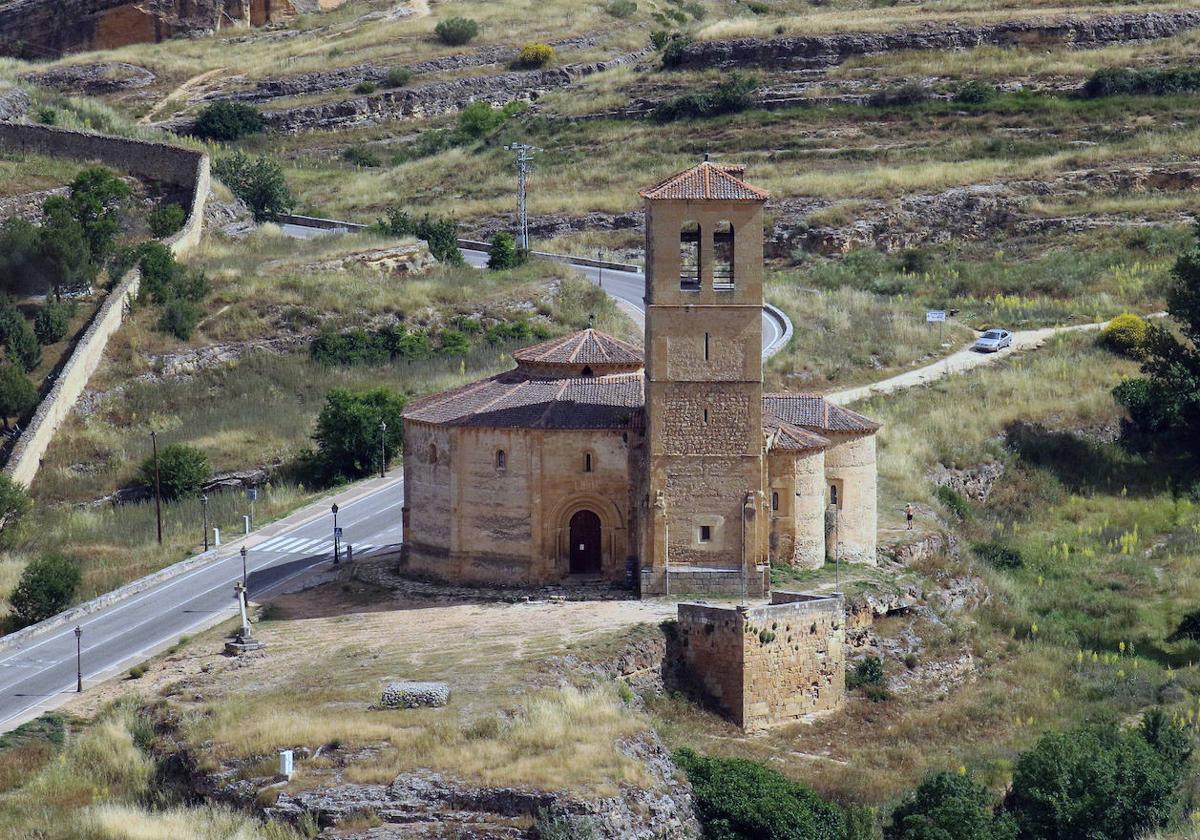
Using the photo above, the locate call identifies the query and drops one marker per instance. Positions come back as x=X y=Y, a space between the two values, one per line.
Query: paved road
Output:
x=39 y=673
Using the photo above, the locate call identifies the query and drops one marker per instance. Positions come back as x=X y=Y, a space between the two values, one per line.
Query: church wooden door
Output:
x=585 y=543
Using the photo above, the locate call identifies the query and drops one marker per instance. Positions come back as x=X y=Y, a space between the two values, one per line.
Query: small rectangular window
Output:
x=705 y=533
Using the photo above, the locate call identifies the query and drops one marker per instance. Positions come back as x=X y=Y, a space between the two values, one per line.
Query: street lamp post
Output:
x=336 y=538
x=78 y=660
x=244 y=567
x=600 y=265
x=204 y=509
x=157 y=486
x=382 y=449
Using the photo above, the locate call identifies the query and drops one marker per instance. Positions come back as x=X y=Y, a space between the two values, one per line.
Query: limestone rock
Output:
x=408 y=694
x=13 y=104
x=408 y=258
x=974 y=482
x=93 y=79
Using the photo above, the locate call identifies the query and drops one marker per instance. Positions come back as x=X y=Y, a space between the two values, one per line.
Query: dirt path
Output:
x=957 y=362
x=179 y=92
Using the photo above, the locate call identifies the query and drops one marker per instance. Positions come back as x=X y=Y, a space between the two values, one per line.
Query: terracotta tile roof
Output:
x=706 y=181
x=513 y=400
x=812 y=411
x=586 y=347
x=791 y=438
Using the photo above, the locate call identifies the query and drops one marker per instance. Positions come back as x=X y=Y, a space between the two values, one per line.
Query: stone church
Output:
x=671 y=470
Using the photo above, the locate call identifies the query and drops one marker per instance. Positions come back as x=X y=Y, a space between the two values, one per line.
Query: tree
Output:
x=16 y=334
x=52 y=322
x=166 y=220
x=182 y=471
x=503 y=252
x=949 y=806
x=65 y=262
x=45 y=588
x=1091 y=784
x=1164 y=404
x=259 y=183
x=456 y=31
x=96 y=201
x=17 y=394
x=21 y=272
x=14 y=502
x=1173 y=744
x=440 y=234
x=347 y=434
x=227 y=121
x=738 y=799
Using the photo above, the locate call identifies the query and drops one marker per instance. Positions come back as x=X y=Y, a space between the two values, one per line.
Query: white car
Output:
x=993 y=341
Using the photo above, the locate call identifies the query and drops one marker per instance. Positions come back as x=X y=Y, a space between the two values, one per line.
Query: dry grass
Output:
x=127 y=822
x=22 y=173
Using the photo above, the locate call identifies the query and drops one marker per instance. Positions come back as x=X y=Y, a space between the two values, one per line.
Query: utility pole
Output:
x=78 y=660
x=525 y=154
x=204 y=509
x=244 y=576
x=157 y=486
x=600 y=266
x=382 y=449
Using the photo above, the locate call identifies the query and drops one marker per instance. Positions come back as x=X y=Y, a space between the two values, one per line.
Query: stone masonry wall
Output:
x=852 y=462
x=798 y=526
x=769 y=664
x=157 y=161
x=427 y=511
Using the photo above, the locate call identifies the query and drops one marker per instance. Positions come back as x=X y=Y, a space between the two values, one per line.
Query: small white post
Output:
x=216 y=537
x=285 y=764
x=246 y=520
x=349 y=554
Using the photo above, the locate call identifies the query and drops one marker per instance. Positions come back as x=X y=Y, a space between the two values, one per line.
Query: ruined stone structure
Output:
x=770 y=664
x=50 y=28
x=684 y=477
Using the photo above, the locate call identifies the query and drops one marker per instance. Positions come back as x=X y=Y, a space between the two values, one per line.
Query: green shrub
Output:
x=166 y=220
x=399 y=77
x=17 y=393
x=480 y=118
x=360 y=156
x=954 y=502
x=758 y=8
x=53 y=321
x=366 y=87
x=672 y=53
x=179 y=318
x=974 y=92
x=138 y=671
x=554 y=824
x=227 y=121
x=998 y=554
x=949 y=805
x=456 y=31
x=659 y=38
x=909 y=93
x=1126 y=334
x=354 y=347
x=260 y=183
x=1150 y=81
x=728 y=97
x=14 y=503
x=440 y=234
x=621 y=8
x=1092 y=784
x=453 y=343
x=867 y=671
x=45 y=589
x=182 y=471
x=97 y=201
x=47 y=115
x=16 y=335
x=503 y=253
x=738 y=799
x=1173 y=743
x=1189 y=628
x=347 y=433
x=534 y=55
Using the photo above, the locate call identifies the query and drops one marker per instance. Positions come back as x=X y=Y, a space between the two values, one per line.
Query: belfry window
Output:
x=723 y=279
x=501 y=459
x=689 y=257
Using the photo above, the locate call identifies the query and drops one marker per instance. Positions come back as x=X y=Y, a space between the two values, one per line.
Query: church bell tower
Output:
x=707 y=527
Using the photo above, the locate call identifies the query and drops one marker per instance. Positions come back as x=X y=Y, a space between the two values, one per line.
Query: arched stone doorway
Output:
x=585 y=534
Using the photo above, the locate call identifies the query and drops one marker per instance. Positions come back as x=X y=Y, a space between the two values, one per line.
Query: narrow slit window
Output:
x=706 y=347
x=587 y=462
x=774 y=501
x=705 y=533
x=433 y=453
x=706 y=417
x=501 y=459
x=689 y=257
x=723 y=253
x=833 y=495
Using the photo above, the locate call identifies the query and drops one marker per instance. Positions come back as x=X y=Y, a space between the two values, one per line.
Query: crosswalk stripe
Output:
x=272 y=543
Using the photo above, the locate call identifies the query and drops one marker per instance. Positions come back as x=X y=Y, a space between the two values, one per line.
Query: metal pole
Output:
x=525 y=154
x=600 y=265
x=204 y=508
x=78 y=660
x=157 y=486
x=244 y=581
x=336 y=547
x=382 y=449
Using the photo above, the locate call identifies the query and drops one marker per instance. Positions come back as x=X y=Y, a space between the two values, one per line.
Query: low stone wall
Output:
x=158 y=161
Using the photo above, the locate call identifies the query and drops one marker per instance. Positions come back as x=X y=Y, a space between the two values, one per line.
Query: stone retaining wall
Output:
x=156 y=161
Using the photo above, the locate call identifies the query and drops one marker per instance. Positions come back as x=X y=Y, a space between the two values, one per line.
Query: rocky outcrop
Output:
x=436 y=98
x=919 y=548
x=93 y=79
x=407 y=694
x=13 y=104
x=405 y=259
x=815 y=51
x=426 y=804
x=974 y=482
